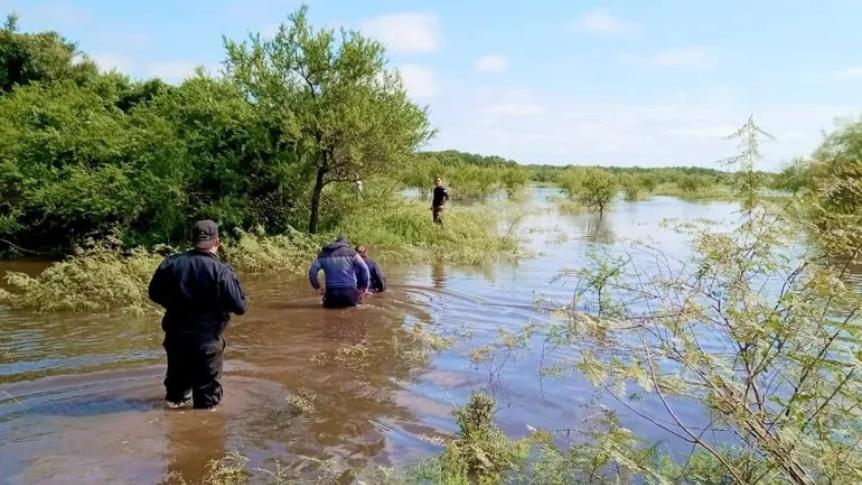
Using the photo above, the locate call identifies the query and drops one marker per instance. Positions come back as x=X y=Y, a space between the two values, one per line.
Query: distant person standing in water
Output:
x=198 y=292
x=376 y=280
x=346 y=275
x=438 y=201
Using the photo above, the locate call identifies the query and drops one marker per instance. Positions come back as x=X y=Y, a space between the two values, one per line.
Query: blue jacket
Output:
x=343 y=267
x=199 y=292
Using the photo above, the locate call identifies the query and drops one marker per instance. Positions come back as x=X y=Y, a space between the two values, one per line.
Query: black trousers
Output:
x=341 y=297
x=194 y=370
x=436 y=212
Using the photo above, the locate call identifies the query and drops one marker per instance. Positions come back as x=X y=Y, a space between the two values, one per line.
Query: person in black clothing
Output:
x=198 y=292
x=376 y=280
x=438 y=202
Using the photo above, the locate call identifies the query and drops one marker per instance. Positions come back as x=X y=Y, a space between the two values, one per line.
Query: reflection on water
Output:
x=597 y=228
x=80 y=396
x=193 y=440
x=438 y=274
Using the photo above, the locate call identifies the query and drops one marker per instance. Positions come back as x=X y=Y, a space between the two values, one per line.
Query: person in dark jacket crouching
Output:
x=346 y=275
x=199 y=292
x=376 y=280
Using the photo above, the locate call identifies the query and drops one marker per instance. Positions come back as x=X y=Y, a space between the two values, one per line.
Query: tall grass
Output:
x=106 y=278
x=257 y=252
x=406 y=232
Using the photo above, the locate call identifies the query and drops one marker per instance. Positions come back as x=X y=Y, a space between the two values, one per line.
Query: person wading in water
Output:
x=198 y=292
x=376 y=280
x=346 y=275
x=438 y=201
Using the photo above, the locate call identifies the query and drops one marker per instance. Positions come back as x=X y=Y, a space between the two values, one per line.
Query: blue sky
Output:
x=616 y=83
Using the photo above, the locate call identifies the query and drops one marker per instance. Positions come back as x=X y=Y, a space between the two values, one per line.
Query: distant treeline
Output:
x=474 y=176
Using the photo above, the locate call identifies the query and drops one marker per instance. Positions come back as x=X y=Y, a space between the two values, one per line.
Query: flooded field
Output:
x=81 y=396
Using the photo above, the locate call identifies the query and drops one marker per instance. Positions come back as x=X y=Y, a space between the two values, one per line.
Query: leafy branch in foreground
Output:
x=763 y=335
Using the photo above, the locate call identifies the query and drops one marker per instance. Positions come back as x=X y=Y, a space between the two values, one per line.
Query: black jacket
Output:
x=199 y=292
x=376 y=280
x=440 y=196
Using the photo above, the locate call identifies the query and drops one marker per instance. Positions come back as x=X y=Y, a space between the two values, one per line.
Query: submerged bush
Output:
x=97 y=279
x=257 y=252
x=105 y=278
x=481 y=453
x=403 y=230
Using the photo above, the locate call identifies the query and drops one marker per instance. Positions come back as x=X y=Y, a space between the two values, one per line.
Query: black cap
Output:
x=205 y=234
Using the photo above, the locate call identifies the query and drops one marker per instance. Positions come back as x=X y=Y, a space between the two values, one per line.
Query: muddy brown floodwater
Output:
x=81 y=395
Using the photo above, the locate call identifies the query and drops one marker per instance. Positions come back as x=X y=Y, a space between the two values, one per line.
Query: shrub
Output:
x=257 y=252
x=93 y=280
x=598 y=188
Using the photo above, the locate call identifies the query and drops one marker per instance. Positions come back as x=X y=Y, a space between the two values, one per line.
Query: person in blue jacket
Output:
x=198 y=292
x=346 y=275
x=376 y=280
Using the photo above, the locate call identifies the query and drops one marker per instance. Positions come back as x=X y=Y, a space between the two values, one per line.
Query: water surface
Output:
x=80 y=395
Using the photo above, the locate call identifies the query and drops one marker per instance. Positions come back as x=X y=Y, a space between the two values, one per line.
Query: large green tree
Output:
x=45 y=56
x=72 y=164
x=598 y=187
x=337 y=105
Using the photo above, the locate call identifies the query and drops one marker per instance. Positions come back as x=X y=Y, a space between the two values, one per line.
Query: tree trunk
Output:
x=315 y=201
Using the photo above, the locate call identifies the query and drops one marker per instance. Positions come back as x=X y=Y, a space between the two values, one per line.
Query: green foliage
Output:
x=684 y=182
x=44 y=57
x=611 y=454
x=73 y=165
x=780 y=368
x=597 y=189
x=466 y=175
x=570 y=181
x=748 y=179
x=480 y=453
x=636 y=187
x=836 y=208
x=795 y=178
x=399 y=229
x=256 y=252
x=340 y=109
x=104 y=278
x=96 y=279
x=232 y=469
x=86 y=156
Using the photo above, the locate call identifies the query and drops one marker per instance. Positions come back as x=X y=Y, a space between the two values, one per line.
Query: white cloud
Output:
x=420 y=81
x=405 y=33
x=112 y=62
x=508 y=102
x=557 y=127
x=689 y=57
x=173 y=71
x=853 y=73
x=601 y=22
x=492 y=63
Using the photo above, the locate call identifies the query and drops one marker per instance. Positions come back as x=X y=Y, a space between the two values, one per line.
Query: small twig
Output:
x=14 y=399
